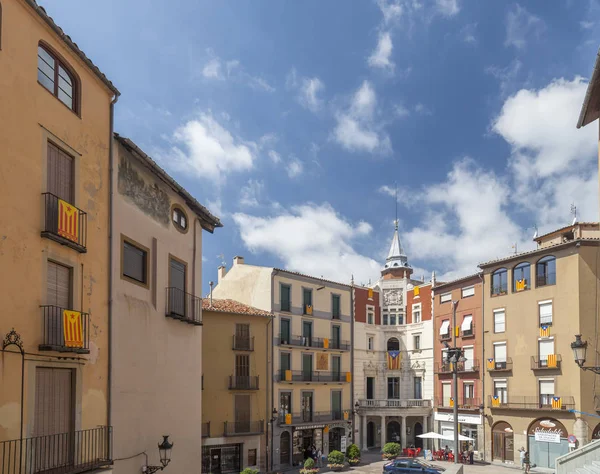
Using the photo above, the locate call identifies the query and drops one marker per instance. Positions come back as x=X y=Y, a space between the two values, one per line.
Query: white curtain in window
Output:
x=468 y=351
x=546 y=312
x=546 y=348
x=446 y=389
x=500 y=352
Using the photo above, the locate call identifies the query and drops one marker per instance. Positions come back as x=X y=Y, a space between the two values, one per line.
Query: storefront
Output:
x=547 y=441
x=468 y=425
x=222 y=458
x=324 y=438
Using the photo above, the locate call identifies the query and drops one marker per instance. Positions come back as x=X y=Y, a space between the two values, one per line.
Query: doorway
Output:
x=284 y=448
x=503 y=442
x=215 y=460
x=418 y=430
x=393 y=432
x=370 y=388
x=335 y=439
x=177 y=283
x=370 y=434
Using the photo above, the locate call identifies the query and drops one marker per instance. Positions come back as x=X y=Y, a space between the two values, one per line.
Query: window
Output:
x=468 y=394
x=467 y=326
x=176 y=298
x=545 y=311
x=417 y=342
x=385 y=319
x=242 y=413
x=546 y=392
x=501 y=391
x=469 y=356
x=400 y=318
x=242 y=337
x=307 y=300
x=336 y=405
x=286 y=302
x=444 y=298
x=393 y=388
x=500 y=355
x=445 y=329
x=59 y=286
x=500 y=282
x=336 y=337
x=521 y=277
x=546 y=348
x=444 y=357
x=285 y=363
x=306 y=406
x=252 y=457
x=335 y=306
x=499 y=320
x=446 y=394
x=53 y=413
x=242 y=365
x=284 y=331
x=285 y=404
x=392 y=319
x=370 y=315
x=546 y=271
x=60 y=174
x=134 y=263
x=468 y=291
x=418 y=388
x=55 y=76
x=371 y=343
x=393 y=344
x=179 y=218
x=416 y=313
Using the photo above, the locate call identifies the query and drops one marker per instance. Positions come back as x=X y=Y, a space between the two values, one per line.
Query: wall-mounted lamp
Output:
x=356 y=407
x=164 y=450
x=274 y=417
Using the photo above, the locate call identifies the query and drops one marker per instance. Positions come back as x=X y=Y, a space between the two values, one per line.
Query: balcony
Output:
x=500 y=366
x=292 y=376
x=64 y=223
x=315 y=342
x=394 y=403
x=65 y=330
x=206 y=429
x=553 y=362
x=243 y=382
x=183 y=306
x=243 y=428
x=469 y=403
x=467 y=366
x=313 y=417
x=243 y=343
x=516 y=402
x=64 y=453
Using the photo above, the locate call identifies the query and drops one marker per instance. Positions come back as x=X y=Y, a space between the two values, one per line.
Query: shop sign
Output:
x=462 y=418
x=343 y=444
x=548 y=431
x=309 y=427
x=547 y=436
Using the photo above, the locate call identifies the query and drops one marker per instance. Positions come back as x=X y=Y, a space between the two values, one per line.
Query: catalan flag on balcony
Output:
x=490 y=364
x=544 y=331
x=451 y=402
x=73 y=328
x=551 y=360
x=556 y=403
x=393 y=360
x=521 y=285
x=68 y=221
x=495 y=401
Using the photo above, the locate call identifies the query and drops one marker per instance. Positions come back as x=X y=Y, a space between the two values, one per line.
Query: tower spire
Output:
x=396 y=199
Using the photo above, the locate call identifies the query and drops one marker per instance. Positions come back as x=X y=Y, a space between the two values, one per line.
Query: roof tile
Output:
x=232 y=306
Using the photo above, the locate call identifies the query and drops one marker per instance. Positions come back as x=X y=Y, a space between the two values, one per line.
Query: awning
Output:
x=467 y=323
x=445 y=327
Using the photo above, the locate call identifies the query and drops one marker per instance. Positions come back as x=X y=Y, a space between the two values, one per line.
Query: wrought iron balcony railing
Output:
x=471 y=365
x=317 y=342
x=394 y=403
x=206 y=429
x=313 y=376
x=65 y=330
x=64 y=223
x=183 y=306
x=552 y=362
x=542 y=402
x=464 y=403
x=243 y=382
x=63 y=453
x=313 y=417
x=243 y=343
x=499 y=366
x=238 y=428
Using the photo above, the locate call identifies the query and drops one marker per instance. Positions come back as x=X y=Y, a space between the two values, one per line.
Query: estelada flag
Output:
x=556 y=403
x=72 y=328
x=544 y=331
x=495 y=401
x=393 y=360
x=490 y=364
x=68 y=221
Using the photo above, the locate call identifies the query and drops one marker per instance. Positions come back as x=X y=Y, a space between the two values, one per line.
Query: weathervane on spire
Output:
x=396 y=199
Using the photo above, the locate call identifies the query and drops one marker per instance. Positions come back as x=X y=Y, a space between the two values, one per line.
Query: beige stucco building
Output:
x=236 y=386
x=311 y=400
x=157 y=314
x=55 y=128
x=534 y=305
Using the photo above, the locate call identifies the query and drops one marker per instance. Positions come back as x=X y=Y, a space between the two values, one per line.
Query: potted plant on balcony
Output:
x=391 y=451
x=353 y=455
x=309 y=467
x=335 y=460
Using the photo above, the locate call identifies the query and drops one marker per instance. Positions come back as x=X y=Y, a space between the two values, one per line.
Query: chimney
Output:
x=237 y=260
x=211 y=287
x=221 y=271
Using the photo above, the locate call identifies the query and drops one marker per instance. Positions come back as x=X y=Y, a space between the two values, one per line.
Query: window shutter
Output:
x=546 y=387
x=500 y=352
x=546 y=348
x=60 y=173
x=546 y=313
x=499 y=321
x=59 y=285
x=242 y=408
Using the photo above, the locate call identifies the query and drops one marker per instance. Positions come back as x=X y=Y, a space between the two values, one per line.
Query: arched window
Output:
x=180 y=220
x=56 y=76
x=521 y=277
x=545 y=271
x=393 y=344
x=500 y=282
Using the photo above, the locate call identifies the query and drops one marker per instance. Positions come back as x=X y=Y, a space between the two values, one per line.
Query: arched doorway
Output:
x=335 y=439
x=370 y=434
x=503 y=444
x=596 y=432
x=393 y=344
x=547 y=440
x=418 y=430
x=393 y=432
x=284 y=448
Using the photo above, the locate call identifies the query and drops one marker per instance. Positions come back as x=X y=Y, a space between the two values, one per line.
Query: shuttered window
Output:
x=60 y=173
x=500 y=352
x=53 y=401
x=546 y=348
x=242 y=408
x=335 y=306
x=242 y=365
x=285 y=298
x=499 y=321
x=58 y=285
x=545 y=312
x=135 y=263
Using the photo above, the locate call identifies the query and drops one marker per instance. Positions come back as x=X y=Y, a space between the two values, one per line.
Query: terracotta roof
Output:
x=556 y=231
x=452 y=282
x=232 y=306
x=71 y=44
x=590 y=108
x=311 y=277
x=210 y=221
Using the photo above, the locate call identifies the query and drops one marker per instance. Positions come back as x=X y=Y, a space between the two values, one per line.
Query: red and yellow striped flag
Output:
x=544 y=331
x=490 y=364
x=556 y=403
x=393 y=360
x=72 y=328
x=68 y=221
x=495 y=401
x=552 y=360
x=451 y=402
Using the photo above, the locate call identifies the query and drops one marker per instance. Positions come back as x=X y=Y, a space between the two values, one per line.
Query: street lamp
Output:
x=164 y=450
x=579 y=350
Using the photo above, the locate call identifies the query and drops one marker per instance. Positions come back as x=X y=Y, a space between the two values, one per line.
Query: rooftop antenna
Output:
x=396 y=198
x=514 y=246
x=535 y=234
x=222 y=257
x=574 y=213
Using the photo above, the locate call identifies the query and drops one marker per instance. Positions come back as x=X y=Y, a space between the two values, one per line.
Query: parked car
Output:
x=410 y=465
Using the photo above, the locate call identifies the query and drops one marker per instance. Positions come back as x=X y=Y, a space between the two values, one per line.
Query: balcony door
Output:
x=306 y=333
x=336 y=368
x=418 y=386
x=370 y=388
x=336 y=405
x=242 y=371
x=446 y=394
x=393 y=388
x=177 y=279
x=307 y=406
x=60 y=174
x=307 y=365
x=242 y=413
x=285 y=363
x=468 y=352
x=58 y=295
x=242 y=336
x=335 y=337
x=284 y=335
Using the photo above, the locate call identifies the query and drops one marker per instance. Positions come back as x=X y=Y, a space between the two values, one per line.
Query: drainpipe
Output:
x=273 y=370
x=268 y=412
x=483 y=417
x=211 y=288
x=352 y=409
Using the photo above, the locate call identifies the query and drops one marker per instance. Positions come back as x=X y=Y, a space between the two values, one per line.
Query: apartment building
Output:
x=311 y=400
x=535 y=303
x=393 y=354
x=467 y=333
x=55 y=128
x=236 y=397
x=157 y=323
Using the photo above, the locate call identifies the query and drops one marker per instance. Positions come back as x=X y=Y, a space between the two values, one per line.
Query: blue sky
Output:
x=293 y=121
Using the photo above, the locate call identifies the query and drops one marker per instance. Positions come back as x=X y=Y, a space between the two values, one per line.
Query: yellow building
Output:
x=236 y=390
x=312 y=398
x=55 y=131
x=534 y=305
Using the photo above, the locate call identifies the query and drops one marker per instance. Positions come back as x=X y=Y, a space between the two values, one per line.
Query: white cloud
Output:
x=294 y=167
x=506 y=76
x=212 y=69
x=391 y=10
x=232 y=70
x=521 y=25
x=275 y=157
x=208 y=150
x=586 y=25
x=357 y=129
x=215 y=207
x=380 y=58
x=423 y=109
x=468 y=33
x=405 y=196
x=447 y=7
x=309 y=93
x=312 y=239
x=251 y=193
x=401 y=111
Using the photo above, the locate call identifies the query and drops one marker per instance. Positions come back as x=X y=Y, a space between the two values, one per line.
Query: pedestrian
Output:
x=471 y=453
x=522 y=457
x=320 y=457
x=526 y=462
x=446 y=452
